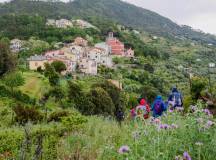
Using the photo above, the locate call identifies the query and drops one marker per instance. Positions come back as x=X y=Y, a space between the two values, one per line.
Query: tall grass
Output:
x=101 y=139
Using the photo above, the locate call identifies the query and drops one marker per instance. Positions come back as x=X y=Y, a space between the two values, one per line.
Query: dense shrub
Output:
x=18 y=95
x=56 y=116
x=148 y=93
x=25 y=114
x=74 y=121
x=197 y=86
x=59 y=66
x=102 y=102
x=112 y=90
x=187 y=102
x=74 y=91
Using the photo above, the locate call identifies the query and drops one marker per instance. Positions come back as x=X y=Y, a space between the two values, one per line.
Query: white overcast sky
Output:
x=199 y=14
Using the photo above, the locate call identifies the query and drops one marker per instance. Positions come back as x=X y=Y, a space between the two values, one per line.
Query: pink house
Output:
x=117 y=47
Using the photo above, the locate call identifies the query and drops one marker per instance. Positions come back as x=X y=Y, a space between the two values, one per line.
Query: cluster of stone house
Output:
x=61 y=23
x=64 y=23
x=78 y=56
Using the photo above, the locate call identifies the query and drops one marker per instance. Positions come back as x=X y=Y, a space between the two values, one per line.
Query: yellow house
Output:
x=37 y=61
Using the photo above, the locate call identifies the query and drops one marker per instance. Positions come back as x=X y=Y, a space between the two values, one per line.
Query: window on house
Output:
x=36 y=64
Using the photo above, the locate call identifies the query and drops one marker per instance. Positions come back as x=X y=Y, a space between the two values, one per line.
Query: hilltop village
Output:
x=79 y=56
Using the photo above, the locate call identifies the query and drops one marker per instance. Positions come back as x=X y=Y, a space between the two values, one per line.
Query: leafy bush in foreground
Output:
x=25 y=114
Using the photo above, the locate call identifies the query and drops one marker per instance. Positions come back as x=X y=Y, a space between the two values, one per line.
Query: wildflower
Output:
x=164 y=126
x=123 y=149
x=193 y=108
x=178 y=157
x=207 y=112
x=135 y=135
x=171 y=110
x=209 y=124
x=174 y=126
x=186 y=156
x=200 y=120
x=199 y=143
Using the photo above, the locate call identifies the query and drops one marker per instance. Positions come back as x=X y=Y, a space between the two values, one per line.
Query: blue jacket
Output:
x=175 y=92
x=162 y=105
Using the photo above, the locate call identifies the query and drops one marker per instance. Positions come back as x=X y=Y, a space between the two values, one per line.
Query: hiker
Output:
x=175 y=98
x=120 y=116
x=143 y=109
x=133 y=113
x=158 y=107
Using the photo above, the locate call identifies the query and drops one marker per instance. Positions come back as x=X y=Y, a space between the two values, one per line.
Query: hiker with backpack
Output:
x=158 y=107
x=175 y=98
x=120 y=116
x=143 y=109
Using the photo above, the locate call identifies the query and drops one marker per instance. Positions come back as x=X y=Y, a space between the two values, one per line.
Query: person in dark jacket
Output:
x=158 y=107
x=175 y=98
x=120 y=116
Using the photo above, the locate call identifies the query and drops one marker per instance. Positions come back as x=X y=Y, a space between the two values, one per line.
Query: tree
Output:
x=7 y=60
x=59 y=66
x=112 y=90
x=197 y=86
x=74 y=91
x=102 y=102
x=58 y=93
x=51 y=74
x=13 y=80
x=149 y=93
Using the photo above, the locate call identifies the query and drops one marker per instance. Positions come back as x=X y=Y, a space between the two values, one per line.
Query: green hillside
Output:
x=116 y=10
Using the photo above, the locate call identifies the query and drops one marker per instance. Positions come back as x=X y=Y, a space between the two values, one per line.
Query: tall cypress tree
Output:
x=7 y=60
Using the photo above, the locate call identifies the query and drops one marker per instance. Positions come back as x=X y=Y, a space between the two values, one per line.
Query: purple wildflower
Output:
x=207 y=112
x=164 y=126
x=171 y=110
x=123 y=149
x=186 y=156
x=209 y=124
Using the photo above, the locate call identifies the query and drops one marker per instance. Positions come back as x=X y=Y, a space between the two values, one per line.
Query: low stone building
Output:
x=16 y=45
x=80 y=42
x=104 y=46
x=37 y=61
x=82 y=24
x=100 y=56
x=88 y=66
x=61 y=23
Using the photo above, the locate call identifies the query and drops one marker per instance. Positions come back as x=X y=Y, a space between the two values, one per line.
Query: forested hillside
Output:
x=115 y=10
